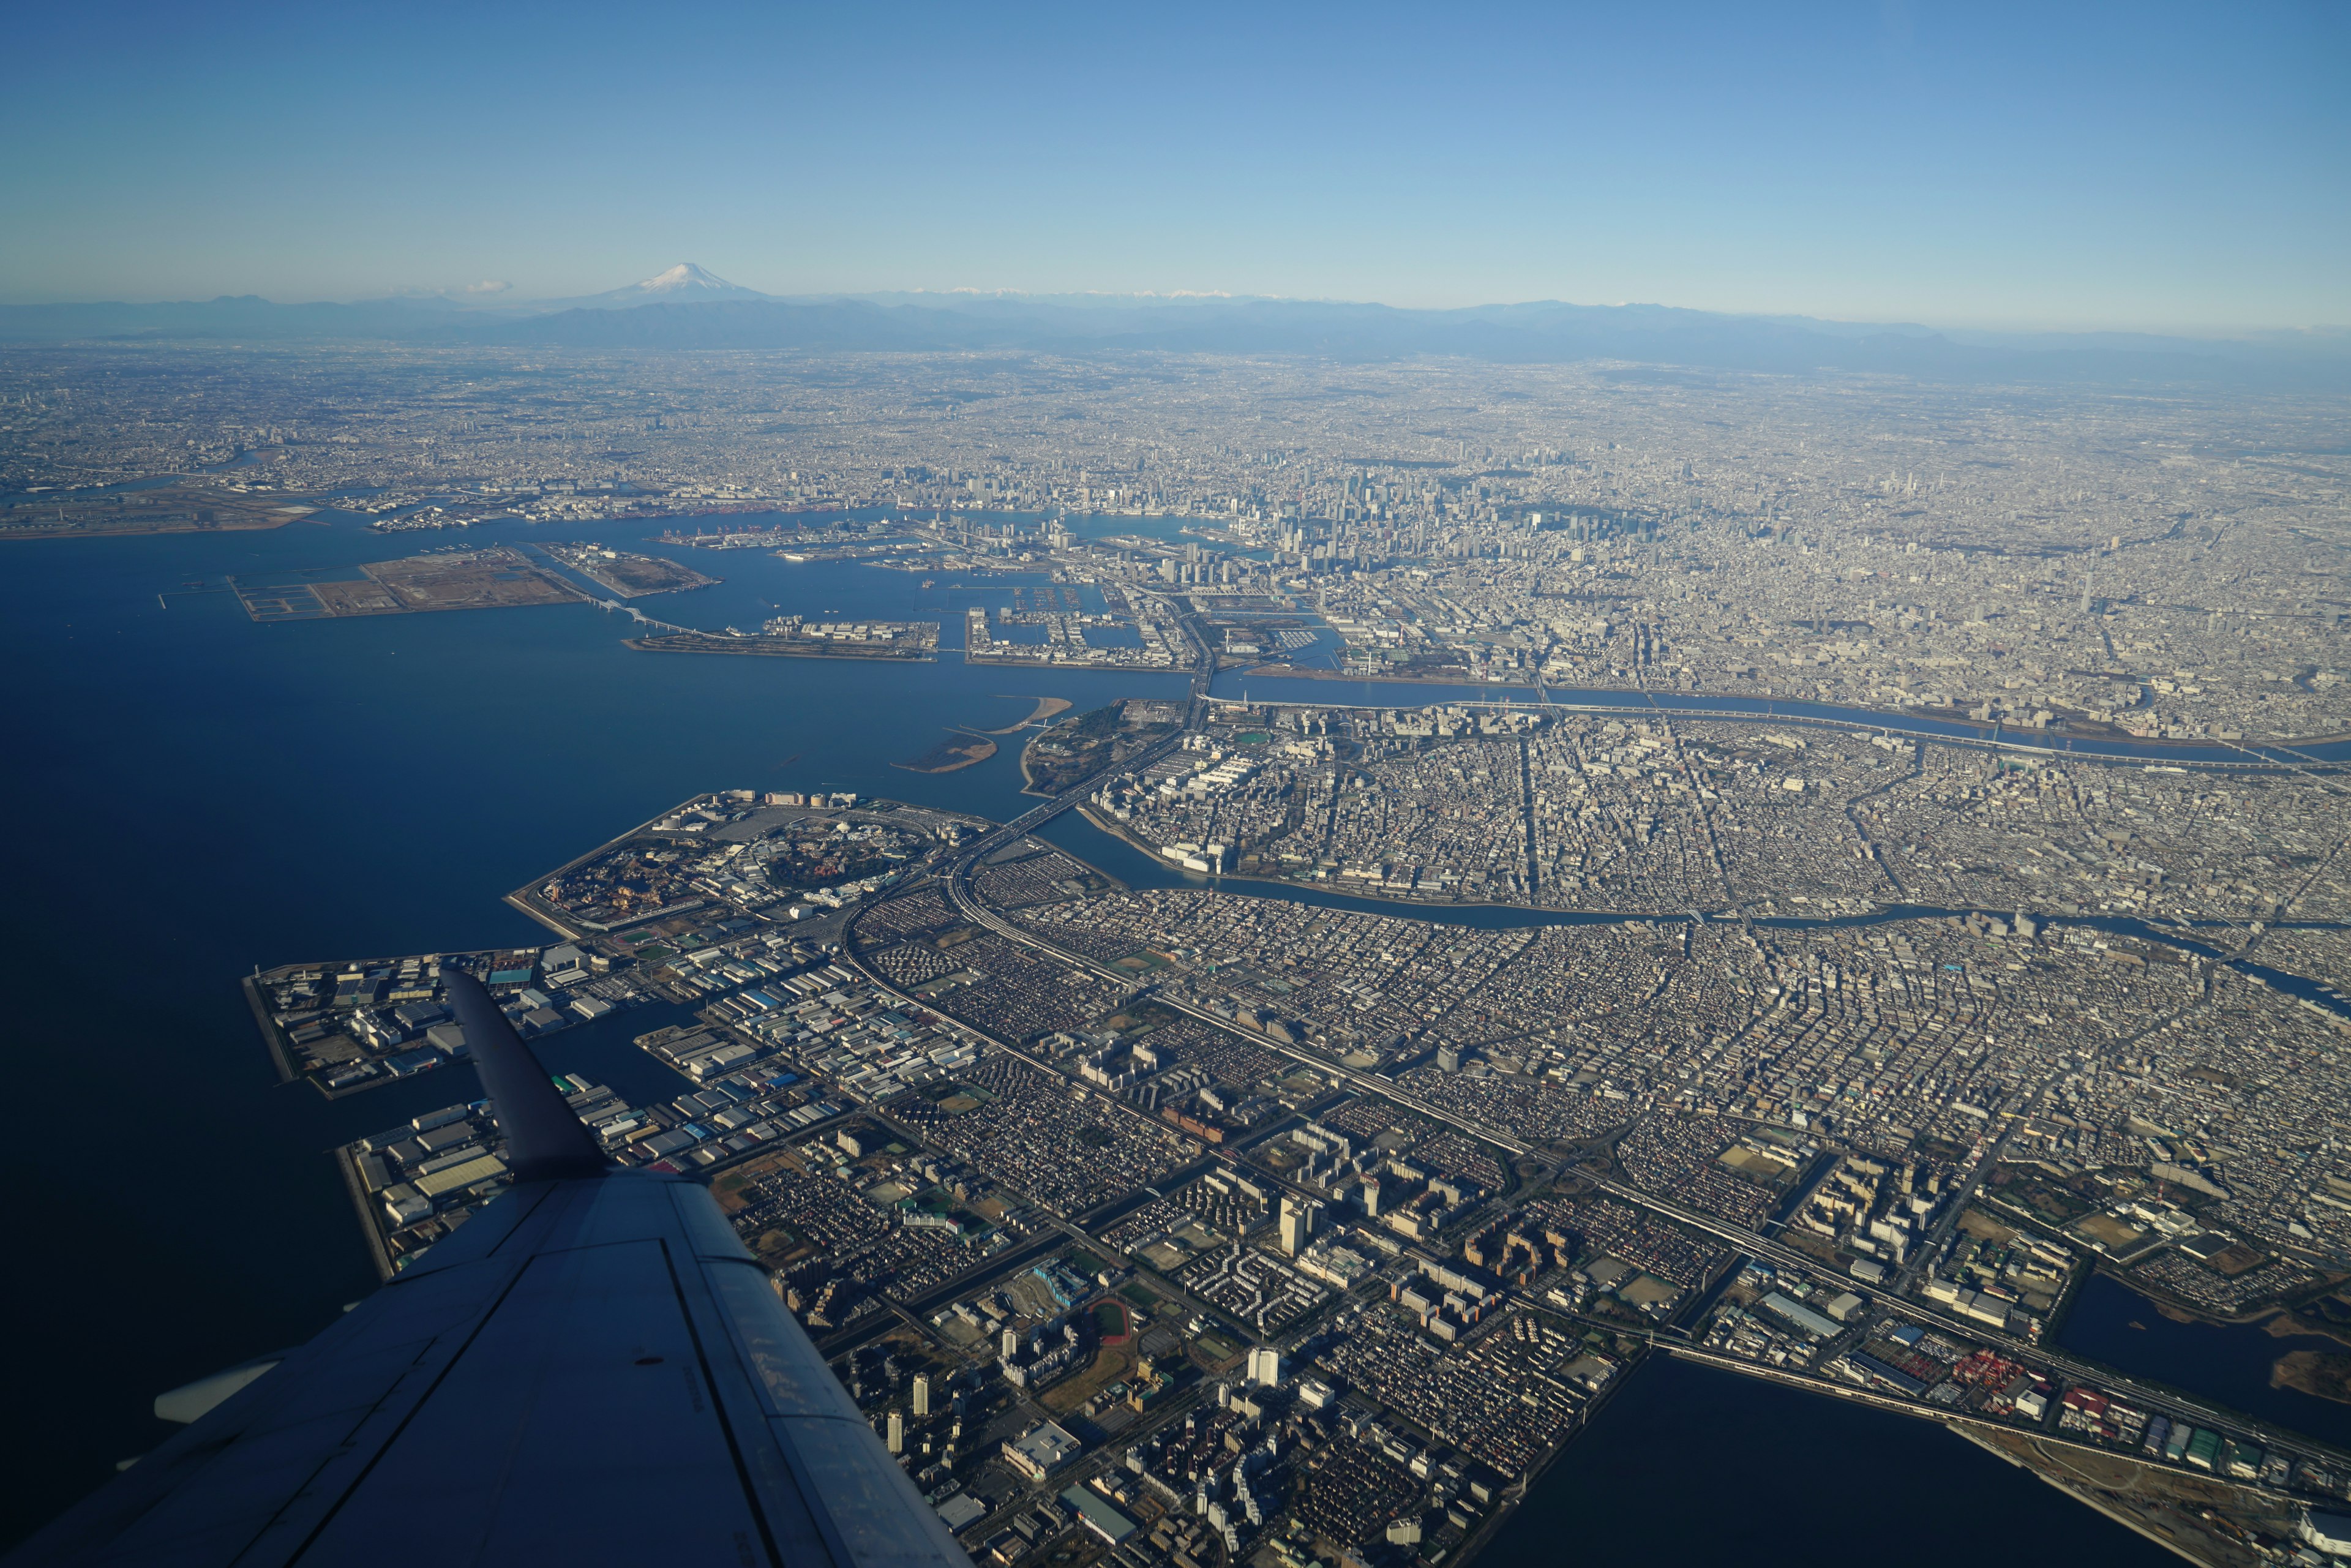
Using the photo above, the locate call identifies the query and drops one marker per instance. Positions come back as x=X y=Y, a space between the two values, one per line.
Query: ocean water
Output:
x=192 y=794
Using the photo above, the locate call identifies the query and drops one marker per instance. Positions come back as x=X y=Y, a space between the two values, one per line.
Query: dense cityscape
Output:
x=2150 y=564
x=1078 y=1184
x=1756 y=942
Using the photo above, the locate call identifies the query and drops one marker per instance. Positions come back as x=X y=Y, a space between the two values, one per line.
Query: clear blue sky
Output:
x=2173 y=166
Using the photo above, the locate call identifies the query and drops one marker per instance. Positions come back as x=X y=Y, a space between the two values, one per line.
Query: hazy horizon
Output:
x=510 y=298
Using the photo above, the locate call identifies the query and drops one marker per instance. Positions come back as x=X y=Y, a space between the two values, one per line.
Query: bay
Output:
x=193 y=794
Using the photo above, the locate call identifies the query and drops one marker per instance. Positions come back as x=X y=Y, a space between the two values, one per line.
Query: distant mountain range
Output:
x=688 y=307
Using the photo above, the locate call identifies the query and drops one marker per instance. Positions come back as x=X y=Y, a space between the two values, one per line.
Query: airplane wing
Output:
x=592 y=1370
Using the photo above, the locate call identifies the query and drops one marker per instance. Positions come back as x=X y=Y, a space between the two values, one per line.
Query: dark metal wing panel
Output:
x=584 y=1384
x=210 y=1492
x=589 y=1369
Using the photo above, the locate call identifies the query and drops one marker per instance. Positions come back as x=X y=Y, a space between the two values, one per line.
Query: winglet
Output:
x=545 y=1141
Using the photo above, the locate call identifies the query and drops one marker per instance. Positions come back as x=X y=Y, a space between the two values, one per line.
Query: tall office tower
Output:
x=923 y=1394
x=1298 y=1216
x=897 y=1431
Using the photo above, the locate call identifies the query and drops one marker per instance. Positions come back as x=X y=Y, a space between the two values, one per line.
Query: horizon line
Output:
x=475 y=299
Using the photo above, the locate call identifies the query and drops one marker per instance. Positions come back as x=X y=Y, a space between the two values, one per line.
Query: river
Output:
x=193 y=794
x=1238 y=685
x=1690 y=1464
x=2228 y=1363
x=1122 y=860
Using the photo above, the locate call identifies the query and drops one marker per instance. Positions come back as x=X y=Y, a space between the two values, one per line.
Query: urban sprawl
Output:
x=1234 y=1220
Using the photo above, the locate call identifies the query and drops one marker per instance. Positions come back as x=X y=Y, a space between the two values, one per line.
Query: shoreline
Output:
x=2321 y=1374
x=72 y=532
x=2265 y=1318
x=1517 y=1498
x=1046 y=710
x=377 y=1252
x=271 y=1035
x=719 y=645
x=2088 y=1500
x=999 y=661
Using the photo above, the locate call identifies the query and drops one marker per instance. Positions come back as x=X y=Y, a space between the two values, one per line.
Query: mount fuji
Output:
x=684 y=284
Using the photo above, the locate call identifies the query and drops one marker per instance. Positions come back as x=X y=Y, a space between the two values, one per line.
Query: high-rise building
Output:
x=1298 y=1216
x=897 y=1431
x=923 y=1394
x=1265 y=1366
x=1010 y=1344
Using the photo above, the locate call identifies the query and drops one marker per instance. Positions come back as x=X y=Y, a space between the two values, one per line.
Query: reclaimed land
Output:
x=775 y=647
x=494 y=579
x=167 y=510
x=631 y=576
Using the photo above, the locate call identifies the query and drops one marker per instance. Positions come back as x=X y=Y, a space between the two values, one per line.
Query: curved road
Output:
x=1748 y=1242
x=960 y=891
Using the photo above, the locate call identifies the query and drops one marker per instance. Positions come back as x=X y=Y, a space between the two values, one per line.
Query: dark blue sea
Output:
x=192 y=794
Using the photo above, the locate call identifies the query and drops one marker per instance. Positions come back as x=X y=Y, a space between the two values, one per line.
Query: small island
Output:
x=2325 y=1375
x=959 y=751
x=789 y=637
x=499 y=577
x=627 y=575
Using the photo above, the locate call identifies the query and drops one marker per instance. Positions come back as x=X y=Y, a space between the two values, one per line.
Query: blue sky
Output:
x=2156 y=165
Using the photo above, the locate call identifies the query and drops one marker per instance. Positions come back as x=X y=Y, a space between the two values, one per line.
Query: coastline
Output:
x=1045 y=712
x=2088 y=1500
x=72 y=532
x=709 y=644
x=271 y=1035
x=367 y=1226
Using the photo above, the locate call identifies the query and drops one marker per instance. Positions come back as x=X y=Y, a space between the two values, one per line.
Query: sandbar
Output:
x=1047 y=707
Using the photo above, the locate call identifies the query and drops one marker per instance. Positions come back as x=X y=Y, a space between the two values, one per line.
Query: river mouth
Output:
x=2233 y=1364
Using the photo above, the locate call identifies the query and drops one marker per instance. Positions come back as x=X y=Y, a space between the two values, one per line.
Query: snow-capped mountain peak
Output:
x=686 y=284
x=688 y=277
